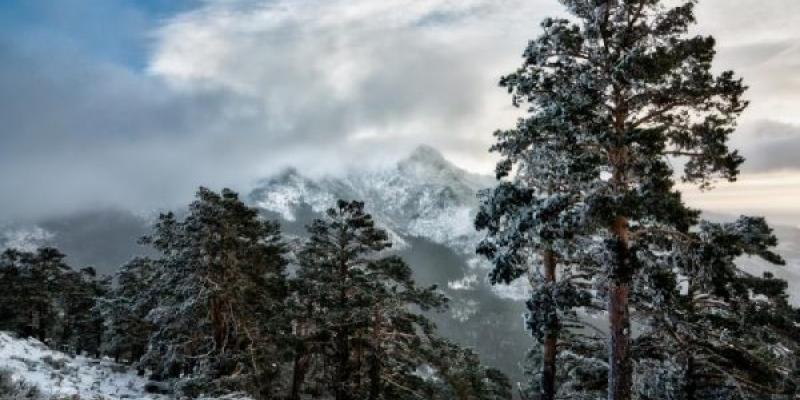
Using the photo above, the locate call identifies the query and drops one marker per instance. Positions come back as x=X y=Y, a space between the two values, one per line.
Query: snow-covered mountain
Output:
x=423 y=196
x=428 y=205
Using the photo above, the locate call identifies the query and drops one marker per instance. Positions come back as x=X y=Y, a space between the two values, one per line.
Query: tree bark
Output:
x=691 y=384
x=375 y=357
x=341 y=390
x=551 y=337
x=298 y=375
x=619 y=363
x=374 y=377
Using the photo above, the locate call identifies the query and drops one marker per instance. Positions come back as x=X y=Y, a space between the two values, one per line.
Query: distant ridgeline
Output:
x=215 y=312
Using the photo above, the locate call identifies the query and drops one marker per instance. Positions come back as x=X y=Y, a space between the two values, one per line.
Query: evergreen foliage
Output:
x=360 y=333
x=215 y=313
x=459 y=375
x=220 y=286
x=42 y=297
x=613 y=94
x=725 y=332
x=124 y=311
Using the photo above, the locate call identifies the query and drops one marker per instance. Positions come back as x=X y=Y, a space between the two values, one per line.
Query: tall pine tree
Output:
x=532 y=229
x=355 y=309
x=620 y=87
x=360 y=328
x=125 y=309
x=220 y=289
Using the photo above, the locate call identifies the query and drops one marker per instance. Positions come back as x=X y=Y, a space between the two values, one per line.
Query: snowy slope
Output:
x=57 y=374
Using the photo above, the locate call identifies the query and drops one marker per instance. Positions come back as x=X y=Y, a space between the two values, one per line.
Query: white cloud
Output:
x=236 y=89
x=359 y=73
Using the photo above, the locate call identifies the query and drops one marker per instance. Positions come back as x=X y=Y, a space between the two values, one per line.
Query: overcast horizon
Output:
x=133 y=104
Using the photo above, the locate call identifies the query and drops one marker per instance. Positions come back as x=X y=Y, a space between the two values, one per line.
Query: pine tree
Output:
x=80 y=293
x=358 y=306
x=333 y=265
x=728 y=334
x=531 y=229
x=360 y=323
x=127 y=332
x=458 y=374
x=220 y=288
x=581 y=367
x=32 y=283
x=620 y=88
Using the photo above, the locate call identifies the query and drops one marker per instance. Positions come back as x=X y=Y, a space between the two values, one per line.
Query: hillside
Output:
x=57 y=375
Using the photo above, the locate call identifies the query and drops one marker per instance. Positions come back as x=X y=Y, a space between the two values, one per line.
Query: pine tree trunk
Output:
x=551 y=338
x=374 y=357
x=549 y=368
x=691 y=384
x=341 y=390
x=374 y=377
x=298 y=374
x=342 y=374
x=620 y=371
x=41 y=332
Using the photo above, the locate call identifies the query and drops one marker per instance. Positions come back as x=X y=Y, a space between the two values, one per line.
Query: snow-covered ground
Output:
x=56 y=374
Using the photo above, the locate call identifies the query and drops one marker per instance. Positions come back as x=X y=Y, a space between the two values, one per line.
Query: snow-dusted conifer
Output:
x=30 y=292
x=355 y=309
x=219 y=285
x=724 y=333
x=628 y=86
x=459 y=374
x=360 y=330
x=124 y=310
x=81 y=327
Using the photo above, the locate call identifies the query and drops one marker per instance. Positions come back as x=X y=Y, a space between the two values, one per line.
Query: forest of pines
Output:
x=620 y=101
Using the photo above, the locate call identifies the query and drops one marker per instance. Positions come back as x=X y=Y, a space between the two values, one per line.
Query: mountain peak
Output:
x=426 y=152
x=424 y=155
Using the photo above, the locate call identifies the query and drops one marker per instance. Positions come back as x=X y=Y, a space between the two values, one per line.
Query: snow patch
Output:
x=517 y=290
x=57 y=374
x=468 y=282
x=24 y=239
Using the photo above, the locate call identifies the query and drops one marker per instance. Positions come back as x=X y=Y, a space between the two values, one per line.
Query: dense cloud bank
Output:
x=136 y=113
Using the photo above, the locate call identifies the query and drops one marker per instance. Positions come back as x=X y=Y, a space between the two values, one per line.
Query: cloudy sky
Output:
x=133 y=103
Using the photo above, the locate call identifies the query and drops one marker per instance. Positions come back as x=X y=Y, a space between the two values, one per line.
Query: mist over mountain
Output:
x=428 y=206
x=104 y=238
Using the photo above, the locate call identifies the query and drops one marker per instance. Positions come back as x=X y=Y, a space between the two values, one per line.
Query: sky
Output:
x=134 y=103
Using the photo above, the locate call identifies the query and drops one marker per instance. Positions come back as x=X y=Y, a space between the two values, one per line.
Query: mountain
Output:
x=422 y=196
x=428 y=205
